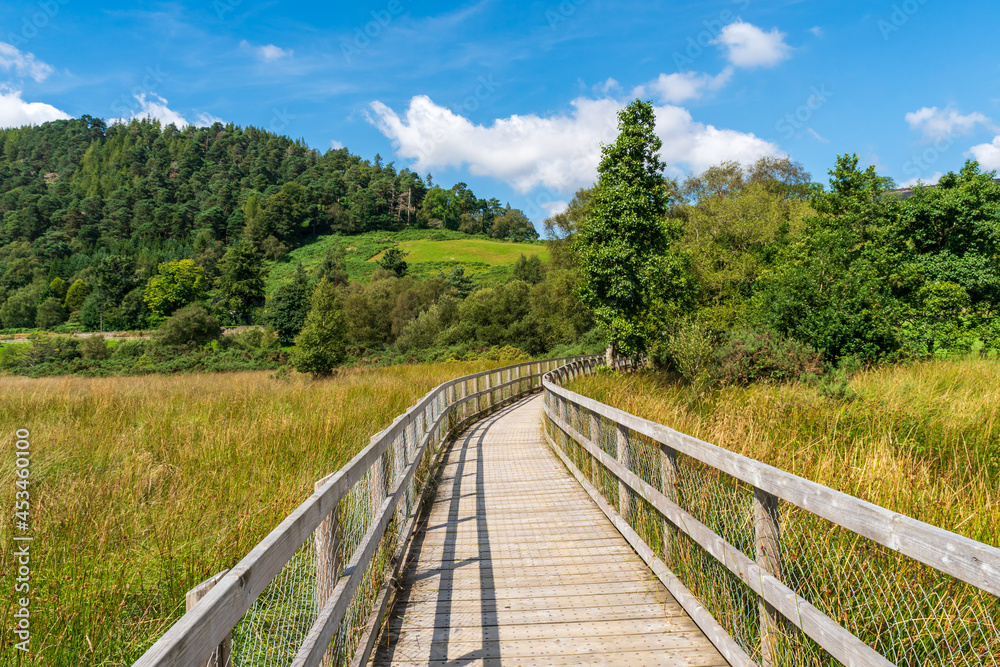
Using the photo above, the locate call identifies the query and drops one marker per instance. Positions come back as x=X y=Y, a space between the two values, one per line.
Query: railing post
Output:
x=475 y=390
x=520 y=385
x=623 y=458
x=595 y=437
x=767 y=528
x=377 y=472
x=409 y=445
x=327 y=546
x=489 y=390
x=220 y=656
x=668 y=485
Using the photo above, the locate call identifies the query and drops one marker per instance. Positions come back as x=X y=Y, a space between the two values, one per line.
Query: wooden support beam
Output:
x=768 y=548
x=220 y=656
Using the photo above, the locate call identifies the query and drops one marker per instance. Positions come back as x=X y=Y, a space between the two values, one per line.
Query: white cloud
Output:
x=23 y=64
x=936 y=123
x=749 y=46
x=554 y=207
x=154 y=106
x=268 y=52
x=607 y=86
x=15 y=112
x=988 y=155
x=557 y=152
x=336 y=145
x=697 y=146
x=816 y=31
x=816 y=135
x=205 y=119
x=923 y=181
x=682 y=86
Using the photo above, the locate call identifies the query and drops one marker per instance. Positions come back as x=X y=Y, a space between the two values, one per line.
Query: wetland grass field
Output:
x=142 y=487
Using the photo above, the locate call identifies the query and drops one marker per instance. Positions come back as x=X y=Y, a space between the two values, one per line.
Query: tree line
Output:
x=749 y=272
x=91 y=213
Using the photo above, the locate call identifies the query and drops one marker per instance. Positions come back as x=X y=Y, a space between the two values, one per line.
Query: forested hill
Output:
x=74 y=192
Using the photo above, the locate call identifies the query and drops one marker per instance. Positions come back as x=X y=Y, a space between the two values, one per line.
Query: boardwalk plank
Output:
x=517 y=566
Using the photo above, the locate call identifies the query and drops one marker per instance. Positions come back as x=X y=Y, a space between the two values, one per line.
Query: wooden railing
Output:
x=315 y=589
x=776 y=569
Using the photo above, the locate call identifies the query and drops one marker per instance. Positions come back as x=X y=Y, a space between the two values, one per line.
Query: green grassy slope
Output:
x=430 y=251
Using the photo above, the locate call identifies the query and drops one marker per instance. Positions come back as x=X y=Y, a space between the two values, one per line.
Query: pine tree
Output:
x=623 y=242
x=289 y=306
x=322 y=343
x=334 y=266
x=241 y=279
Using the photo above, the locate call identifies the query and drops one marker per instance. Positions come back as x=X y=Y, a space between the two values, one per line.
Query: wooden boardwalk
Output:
x=518 y=566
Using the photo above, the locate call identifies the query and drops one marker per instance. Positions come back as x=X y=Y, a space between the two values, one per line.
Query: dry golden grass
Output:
x=922 y=439
x=142 y=487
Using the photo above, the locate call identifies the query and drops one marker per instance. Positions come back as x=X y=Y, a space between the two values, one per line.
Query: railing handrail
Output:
x=213 y=618
x=965 y=559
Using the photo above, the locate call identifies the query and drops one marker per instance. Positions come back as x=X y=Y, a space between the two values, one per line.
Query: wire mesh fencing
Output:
x=319 y=584
x=788 y=586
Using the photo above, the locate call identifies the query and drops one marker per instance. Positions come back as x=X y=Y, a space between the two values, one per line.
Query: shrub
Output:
x=50 y=313
x=764 y=356
x=188 y=326
x=130 y=349
x=254 y=339
x=322 y=343
x=53 y=348
x=95 y=348
x=690 y=351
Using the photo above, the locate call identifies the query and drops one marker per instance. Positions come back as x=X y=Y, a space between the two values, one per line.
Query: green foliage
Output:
x=58 y=288
x=830 y=289
x=288 y=308
x=175 y=285
x=76 y=294
x=513 y=225
x=528 y=269
x=461 y=283
x=334 y=266
x=392 y=260
x=736 y=222
x=690 y=351
x=189 y=326
x=130 y=349
x=107 y=205
x=95 y=347
x=241 y=280
x=322 y=343
x=749 y=356
x=628 y=280
x=253 y=339
x=50 y=313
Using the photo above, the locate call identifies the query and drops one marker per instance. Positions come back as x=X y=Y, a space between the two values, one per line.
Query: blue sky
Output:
x=514 y=98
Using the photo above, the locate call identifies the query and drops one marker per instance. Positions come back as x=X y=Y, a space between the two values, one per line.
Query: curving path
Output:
x=517 y=566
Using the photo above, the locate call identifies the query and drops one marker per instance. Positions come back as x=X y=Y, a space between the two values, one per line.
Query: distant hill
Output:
x=429 y=251
x=76 y=192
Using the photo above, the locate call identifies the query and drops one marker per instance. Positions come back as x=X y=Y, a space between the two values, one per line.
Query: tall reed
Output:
x=142 y=487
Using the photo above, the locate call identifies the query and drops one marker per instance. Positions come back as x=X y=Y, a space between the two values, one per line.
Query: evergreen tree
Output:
x=334 y=266
x=76 y=295
x=392 y=260
x=623 y=242
x=322 y=343
x=241 y=280
x=289 y=306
